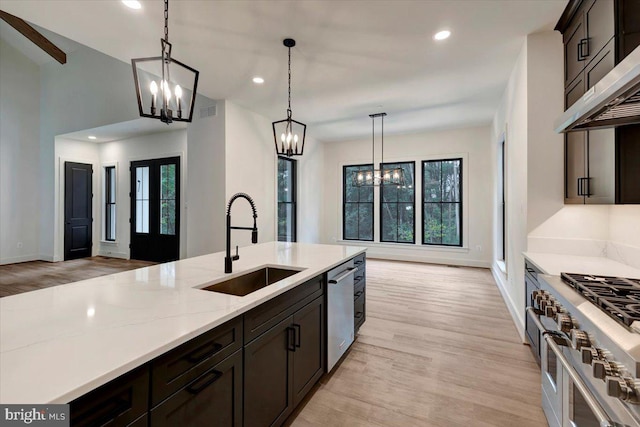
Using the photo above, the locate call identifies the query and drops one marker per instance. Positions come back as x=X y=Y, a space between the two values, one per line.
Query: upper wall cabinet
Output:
x=603 y=166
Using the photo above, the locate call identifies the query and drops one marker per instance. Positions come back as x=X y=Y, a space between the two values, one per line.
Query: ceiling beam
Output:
x=34 y=35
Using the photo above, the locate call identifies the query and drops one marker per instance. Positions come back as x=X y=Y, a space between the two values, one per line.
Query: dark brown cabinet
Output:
x=532 y=331
x=212 y=399
x=120 y=402
x=282 y=365
x=598 y=34
x=359 y=292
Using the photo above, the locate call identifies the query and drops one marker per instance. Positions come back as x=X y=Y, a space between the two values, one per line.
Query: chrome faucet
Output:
x=228 y=260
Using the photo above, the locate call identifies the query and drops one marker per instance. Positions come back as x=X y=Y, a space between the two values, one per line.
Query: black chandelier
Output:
x=175 y=83
x=287 y=132
x=382 y=176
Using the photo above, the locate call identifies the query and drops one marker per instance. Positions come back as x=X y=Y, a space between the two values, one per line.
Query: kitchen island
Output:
x=58 y=344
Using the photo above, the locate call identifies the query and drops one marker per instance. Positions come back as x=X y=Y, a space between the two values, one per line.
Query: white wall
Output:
x=471 y=144
x=532 y=101
x=19 y=158
x=122 y=153
x=206 y=193
x=67 y=150
x=311 y=175
x=250 y=168
x=90 y=90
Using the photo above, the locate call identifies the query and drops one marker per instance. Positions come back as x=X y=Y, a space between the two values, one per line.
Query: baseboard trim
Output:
x=513 y=311
x=17 y=259
x=109 y=254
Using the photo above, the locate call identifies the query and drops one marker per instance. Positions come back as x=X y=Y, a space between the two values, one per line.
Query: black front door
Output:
x=155 y=209
x=78 y=218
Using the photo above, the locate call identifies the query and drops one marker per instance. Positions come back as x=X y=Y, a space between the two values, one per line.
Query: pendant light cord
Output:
x=166 y=20
x=289 y=109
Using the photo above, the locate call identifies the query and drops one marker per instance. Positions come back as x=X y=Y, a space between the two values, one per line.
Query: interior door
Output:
x=155 y=213
x=78 y=218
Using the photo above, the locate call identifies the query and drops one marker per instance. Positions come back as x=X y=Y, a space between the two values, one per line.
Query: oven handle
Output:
x=600 y=414
x=344 y=275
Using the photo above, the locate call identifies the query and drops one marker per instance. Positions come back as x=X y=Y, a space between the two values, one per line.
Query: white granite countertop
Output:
x=554 y=264
x=57 y=344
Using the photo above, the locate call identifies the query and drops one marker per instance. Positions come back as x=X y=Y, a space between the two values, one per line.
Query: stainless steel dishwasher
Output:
x=339 y=312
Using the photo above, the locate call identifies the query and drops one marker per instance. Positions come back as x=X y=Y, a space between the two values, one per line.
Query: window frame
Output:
x=344 y=205
x=108 y=171
x=413 y=206
x=502 y=195
x=294 y=199
x=461 y=202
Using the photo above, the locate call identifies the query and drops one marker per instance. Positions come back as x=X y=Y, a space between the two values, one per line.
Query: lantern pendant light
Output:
x=164 y=76
x=382 y=176
x=289 y=134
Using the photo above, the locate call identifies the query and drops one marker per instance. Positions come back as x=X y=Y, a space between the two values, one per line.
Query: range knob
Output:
x=564 y=322
x=551 y=311
x=589 y=354
x=540 y=296
x=545 y=303
x=579 y=339
x=622 y=388
x=602 y=369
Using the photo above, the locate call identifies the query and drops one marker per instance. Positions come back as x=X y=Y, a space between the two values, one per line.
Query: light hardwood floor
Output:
x=29 y=276
x=438 y=348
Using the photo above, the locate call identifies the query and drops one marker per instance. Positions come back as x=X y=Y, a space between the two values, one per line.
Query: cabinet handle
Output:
x=587 y=189
x=193 y=357
x=297 y=333
x=291 y=340
x=359 y=262
x=194 y=388
x=358 y=278
x=359 y=315
x=357 y=294
x=583 y=49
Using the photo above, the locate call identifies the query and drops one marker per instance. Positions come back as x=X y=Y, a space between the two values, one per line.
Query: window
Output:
x=168 y=199
x=110 y=203
x=357 y=206
x=286 y=200
x=442 y=202
x=397 y=206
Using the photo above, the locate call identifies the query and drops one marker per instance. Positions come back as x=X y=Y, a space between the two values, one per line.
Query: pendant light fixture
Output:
x=167 y=78
x=381 y=176
x=288 y=134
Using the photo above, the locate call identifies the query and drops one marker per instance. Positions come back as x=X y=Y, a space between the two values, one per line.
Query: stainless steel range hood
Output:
x=613 y=101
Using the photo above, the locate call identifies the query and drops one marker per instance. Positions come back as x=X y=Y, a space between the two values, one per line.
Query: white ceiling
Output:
x=124 y=130
x=353 y=58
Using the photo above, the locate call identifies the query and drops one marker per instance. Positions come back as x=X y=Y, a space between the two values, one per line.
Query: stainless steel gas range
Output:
x=590 y=351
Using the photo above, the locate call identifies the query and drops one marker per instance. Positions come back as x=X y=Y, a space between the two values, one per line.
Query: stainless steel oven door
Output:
x=552 y=384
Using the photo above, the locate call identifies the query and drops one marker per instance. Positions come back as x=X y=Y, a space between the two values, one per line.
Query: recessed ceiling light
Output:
x=133 y=4
x=258 y=80
x=441 y=35
x=92 y=137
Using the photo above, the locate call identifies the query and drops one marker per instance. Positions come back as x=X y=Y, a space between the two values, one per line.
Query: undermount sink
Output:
x=251 y=282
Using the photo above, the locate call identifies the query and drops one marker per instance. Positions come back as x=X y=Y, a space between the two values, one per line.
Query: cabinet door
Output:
x=574 y=157
x=212 y=399
x=628 y=27
x=601 y=163
x=308 y=359
x=628 y=164
x=268 y=373
x=599 y=19
x=600 y=65
x=574 y=91
x=533 y=333
x=573 y=62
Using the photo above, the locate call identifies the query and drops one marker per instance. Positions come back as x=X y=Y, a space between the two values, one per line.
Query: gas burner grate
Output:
x=618 y=297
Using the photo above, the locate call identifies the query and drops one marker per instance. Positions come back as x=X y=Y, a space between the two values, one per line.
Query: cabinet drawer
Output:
x=360 y=275
x=358 y=290
x=117 y=403
x=360 y=259
x=532 y=271
x=269 y=314
x=359 y=313
x=212 y=399
x=178 y=367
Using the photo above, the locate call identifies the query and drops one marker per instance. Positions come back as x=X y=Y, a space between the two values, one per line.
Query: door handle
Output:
x=296 y=334
x=291 y=340
x=583 y=49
